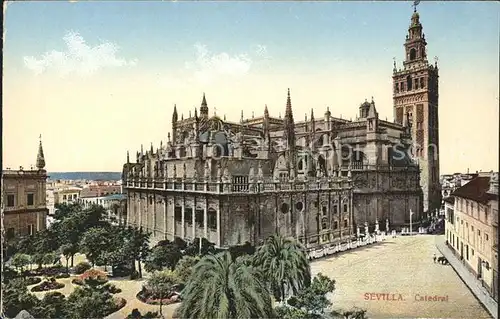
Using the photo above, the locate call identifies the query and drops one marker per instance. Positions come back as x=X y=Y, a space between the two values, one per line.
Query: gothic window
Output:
x=324 y=210
x=422 y=53
x=409 y=83
x=396 y=87
x=335 y=225
x=199 y=213
x=324 y=223
x=301 y=164
x=182 y=151
x=402 y=84
x=345 y=223
x=413 y=54
x=151 y=201
x=188 y=215
x=335 y=209
x=322 y=164
x=285 y=208
x=422 y=83
x=299 y=206
x=178 y=214
x=212 y=219
x=345 y=208
x=416 y=84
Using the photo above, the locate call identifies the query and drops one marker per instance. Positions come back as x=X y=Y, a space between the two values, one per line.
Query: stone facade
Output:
x=316 y=180
x=415 y=92
x=24 y=204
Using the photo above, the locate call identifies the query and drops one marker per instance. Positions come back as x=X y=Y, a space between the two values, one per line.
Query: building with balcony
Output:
x=24 y=209
x=66 y=195
x=316 y=180
x=472 y=228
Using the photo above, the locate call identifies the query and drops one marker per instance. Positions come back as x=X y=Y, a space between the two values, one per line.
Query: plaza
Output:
x=397 y=278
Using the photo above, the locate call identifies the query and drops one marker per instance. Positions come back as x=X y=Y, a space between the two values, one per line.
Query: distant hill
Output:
x=95 y=176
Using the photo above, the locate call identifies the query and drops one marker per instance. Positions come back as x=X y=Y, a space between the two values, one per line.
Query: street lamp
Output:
x=411 y=232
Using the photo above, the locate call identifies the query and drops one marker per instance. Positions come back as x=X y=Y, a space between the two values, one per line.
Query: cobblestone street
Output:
x=391 y=279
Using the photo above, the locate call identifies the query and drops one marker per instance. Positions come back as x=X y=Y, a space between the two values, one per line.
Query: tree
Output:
x=94 y=243
x=138 y=246
x=90 y=301
x=312 y=300
x=19 y=261
x=163 y=256
x=223 y=288
x=184 y=267
x=193 y=249
x=284 y=265
x=161 y=284
x=17 y=298
x=52 y=306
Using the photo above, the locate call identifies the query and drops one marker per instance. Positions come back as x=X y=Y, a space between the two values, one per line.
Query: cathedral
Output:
x=323 y=181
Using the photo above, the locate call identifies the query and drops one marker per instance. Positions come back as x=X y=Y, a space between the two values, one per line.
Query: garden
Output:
x=273 y=280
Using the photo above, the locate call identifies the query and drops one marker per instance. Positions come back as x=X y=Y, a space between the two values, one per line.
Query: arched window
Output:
x=422 y=83
x=396 y=87
x=422 y=53
x=413 y=54
x=409 y=83
x=285 y=208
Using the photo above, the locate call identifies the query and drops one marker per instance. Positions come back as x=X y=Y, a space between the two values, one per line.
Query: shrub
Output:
x=63 y=275
x=32 y=281
x=112 y=288
x=95 y=274
x=48 y=285
x=80 y=268
x=77 y=281
x=134 y=275
x=119 y=302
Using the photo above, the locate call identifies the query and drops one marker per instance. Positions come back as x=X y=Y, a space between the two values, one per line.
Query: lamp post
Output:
x=411 y=231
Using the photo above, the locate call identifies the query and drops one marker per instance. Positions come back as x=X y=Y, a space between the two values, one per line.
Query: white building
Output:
x=472 y=227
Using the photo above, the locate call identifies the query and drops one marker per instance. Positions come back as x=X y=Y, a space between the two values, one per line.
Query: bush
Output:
x=112 y=289
x=48 y=285
x=122 y=271
x=134 y=275
x=119 y=302
x=136 y=314
x=64 y=275
x=95 y=274
x=77 y=281
x=32 y=281
x=80 y=268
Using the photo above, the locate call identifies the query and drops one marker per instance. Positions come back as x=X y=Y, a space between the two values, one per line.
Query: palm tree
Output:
x=222 y=288
x=284 y=265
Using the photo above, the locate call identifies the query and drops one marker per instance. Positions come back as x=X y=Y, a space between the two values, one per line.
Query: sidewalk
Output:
x=468 y=278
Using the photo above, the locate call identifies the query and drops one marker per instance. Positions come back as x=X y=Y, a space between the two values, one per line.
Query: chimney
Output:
x=493 y=183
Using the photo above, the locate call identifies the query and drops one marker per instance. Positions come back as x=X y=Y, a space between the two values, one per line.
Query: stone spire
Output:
x=266 y=111
x=204 y=107
x=40 y=158
x=241 y=118
x=128 y=158
x=174 y=115
x=288 y=110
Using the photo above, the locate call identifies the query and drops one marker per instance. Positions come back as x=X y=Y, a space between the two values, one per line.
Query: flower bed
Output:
x=148 y=298
x=32 y=281
x=49 y=271
x=48 y=285
x=95 y=274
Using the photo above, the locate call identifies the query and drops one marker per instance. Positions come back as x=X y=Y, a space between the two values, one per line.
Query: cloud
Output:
x=208 y=67
x=79 y=58
x=261 y=50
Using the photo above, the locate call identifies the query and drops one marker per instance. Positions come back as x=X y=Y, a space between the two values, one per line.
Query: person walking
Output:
x=434 y=257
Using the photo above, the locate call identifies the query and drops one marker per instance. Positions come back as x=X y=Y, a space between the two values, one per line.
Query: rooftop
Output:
x=476 y=190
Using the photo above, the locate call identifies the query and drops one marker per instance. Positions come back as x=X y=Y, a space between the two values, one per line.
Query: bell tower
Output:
x=415 y=96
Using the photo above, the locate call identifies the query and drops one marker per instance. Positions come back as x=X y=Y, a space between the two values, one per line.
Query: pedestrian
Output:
x=434 y=257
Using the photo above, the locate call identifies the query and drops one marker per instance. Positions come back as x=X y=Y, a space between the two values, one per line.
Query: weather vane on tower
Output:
x=415 y=4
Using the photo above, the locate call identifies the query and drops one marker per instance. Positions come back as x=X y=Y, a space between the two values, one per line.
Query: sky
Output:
x=98 y=79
